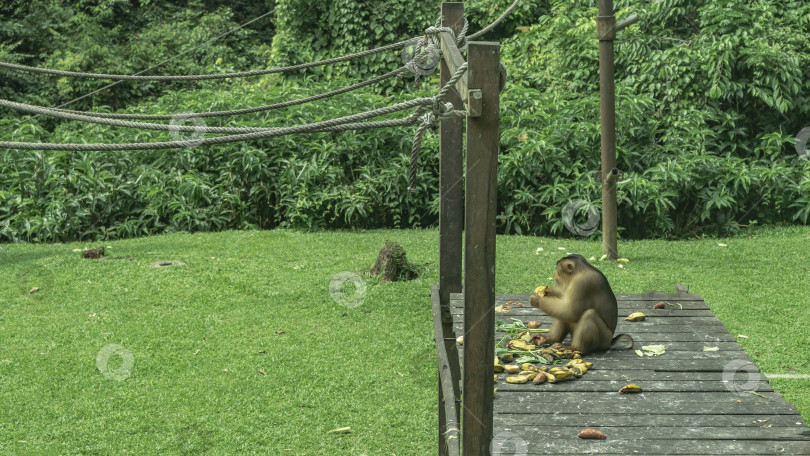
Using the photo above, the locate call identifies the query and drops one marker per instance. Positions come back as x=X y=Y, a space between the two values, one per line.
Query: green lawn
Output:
x=197 y=336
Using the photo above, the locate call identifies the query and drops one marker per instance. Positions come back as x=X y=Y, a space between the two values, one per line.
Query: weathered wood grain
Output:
x=694 y=401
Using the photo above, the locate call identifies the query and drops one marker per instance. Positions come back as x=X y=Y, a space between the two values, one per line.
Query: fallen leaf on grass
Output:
x=34 y=290
x=343 y=430
x=743 y=336
x=262 y=372
x=280 y=332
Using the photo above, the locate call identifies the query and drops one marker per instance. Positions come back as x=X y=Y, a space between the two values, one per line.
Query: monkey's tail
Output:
x=622 y=341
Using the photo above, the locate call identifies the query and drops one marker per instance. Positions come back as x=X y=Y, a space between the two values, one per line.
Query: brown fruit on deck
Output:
x=591 y=434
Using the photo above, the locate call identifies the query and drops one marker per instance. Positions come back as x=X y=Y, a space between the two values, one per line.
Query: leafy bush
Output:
x=709 y=98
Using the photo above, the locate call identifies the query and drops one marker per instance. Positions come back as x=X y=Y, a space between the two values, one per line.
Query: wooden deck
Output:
x=694 y=401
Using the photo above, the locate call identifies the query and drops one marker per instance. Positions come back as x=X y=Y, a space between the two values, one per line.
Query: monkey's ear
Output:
x=569 y=266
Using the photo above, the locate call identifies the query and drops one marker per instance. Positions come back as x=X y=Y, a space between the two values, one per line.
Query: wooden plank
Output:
x=527 y=313
x=666 y=403
x=451 y=168
x=642 y=338
x=453 y=59
x=637 y=328
x=479 y=249
x=654 y=296
x=629 y=433
x=540 y=444
x=615 y=384
x=757 y=420
x=621 y=303
x=641 y=375
x=657 y=364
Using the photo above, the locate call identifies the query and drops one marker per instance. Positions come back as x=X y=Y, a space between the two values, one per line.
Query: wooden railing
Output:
x=479 y=91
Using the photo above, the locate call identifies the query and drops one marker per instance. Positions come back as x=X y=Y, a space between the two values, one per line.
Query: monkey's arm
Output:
x=556 y=307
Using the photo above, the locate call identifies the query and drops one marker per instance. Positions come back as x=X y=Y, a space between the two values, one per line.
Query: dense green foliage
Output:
x=710 y=96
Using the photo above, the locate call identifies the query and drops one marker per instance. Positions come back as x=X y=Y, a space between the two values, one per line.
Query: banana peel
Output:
x=631 y=388
x=635 y=316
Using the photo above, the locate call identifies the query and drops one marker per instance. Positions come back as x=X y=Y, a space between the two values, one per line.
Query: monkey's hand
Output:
x=553 y=292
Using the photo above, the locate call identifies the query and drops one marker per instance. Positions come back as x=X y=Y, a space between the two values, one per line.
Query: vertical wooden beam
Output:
x=451 y=205
x=479 y=250
x=451 y=214
x=606 y=33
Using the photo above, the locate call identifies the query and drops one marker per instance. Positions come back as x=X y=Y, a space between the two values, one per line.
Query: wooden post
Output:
x=451 y=213
x=479 y=248
x=606 y=33
x=451 y=191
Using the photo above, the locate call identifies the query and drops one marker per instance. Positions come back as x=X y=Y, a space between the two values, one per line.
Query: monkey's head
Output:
x=568 y=266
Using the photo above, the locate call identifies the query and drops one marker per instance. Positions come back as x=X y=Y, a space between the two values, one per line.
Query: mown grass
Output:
x=199 y=334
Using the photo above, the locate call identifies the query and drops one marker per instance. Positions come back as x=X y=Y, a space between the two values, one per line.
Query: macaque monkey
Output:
x=583 y=305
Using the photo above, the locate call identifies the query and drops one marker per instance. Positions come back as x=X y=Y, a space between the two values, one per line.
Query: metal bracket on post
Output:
x=606 y=28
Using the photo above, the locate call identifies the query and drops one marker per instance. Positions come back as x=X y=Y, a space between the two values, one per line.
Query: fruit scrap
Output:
x=517 y=344
x=636 y=316
x=540 y=291
x=533 y=324
x=631 y=388
x=460 y=340
x=517 y=379
x=660 y=305
x=530 y=374
x=591 y=434
x=507 y=357
x=511 y=368
x=539 y=378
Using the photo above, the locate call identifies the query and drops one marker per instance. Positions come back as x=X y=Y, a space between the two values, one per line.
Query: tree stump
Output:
x=393 y=264
x=93 y=253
